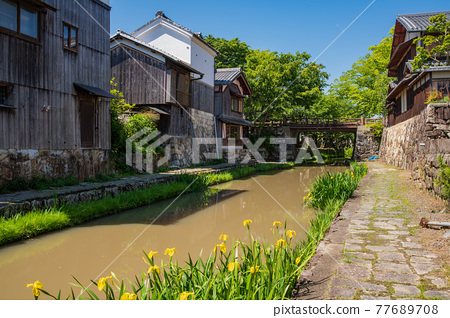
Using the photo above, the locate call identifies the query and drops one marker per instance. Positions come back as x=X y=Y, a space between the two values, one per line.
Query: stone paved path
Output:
x=373 y=250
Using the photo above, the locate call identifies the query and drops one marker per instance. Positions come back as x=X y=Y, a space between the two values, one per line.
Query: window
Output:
x=2 y=95
x=19 y=18
x=404 y=102
x=236 y=104
x=70 y=40
x=234 y=131
x=5 y=93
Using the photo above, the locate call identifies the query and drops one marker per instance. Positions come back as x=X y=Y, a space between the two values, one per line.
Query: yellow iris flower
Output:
x=247 y=222
x=281 y=242
x=297 y=260
x=232 y=266
x=151 y=254
x=224 y=237
x=291 y=233
x=102 y=282
x=254 y=269
x=331 y=177
x=222 y=246
x=37 y=286
x=276 y=223
x=185 y=295
x=170 y=251
x=153 y=268
x=128 y=296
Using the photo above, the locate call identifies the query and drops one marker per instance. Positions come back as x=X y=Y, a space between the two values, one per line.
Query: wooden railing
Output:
x=324 y=122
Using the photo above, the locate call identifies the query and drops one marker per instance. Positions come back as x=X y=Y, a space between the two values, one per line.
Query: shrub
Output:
x=444 y=178
x=337 y=187
x=376 y=129
x=137 y=122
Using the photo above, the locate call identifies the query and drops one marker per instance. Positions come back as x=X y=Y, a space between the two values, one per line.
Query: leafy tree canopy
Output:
x=436 y=42
x=233 y=53
x=283 y=84
x=361 y=91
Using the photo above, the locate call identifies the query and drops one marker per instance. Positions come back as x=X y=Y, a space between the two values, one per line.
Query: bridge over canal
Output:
x=321 y=124
x=364 y=143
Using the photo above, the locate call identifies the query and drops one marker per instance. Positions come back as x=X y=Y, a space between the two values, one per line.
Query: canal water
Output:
x=192 y=224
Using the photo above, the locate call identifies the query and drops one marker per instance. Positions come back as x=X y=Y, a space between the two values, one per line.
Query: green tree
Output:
x=283 y=84
x=362 y=89
x=233 y=53
x=438 y=35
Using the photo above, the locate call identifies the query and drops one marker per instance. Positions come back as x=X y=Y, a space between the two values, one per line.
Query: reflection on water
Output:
x=162 y=213
x=192 y=224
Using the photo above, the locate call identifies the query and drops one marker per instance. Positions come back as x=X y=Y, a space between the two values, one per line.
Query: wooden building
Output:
x=155 y=80
x=188 y=47
x=54 y=84
x=407 y=95
x=231 y=88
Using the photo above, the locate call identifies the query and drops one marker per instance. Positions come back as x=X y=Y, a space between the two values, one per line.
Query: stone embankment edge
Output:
x=78 y=194
x=315 y=279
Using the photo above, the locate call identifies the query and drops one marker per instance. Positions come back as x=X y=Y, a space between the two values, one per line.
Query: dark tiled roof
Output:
x=229 y=120
x=403 y=83
x=418 y=21
x=441 y=68
x=225 y=76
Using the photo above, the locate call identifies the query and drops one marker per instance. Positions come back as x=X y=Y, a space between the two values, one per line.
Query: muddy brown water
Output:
x=192 y=224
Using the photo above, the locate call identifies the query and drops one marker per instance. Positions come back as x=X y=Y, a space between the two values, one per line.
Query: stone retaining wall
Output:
x=416 y=143
x=15 y=203
x=81 y=163
x=366 y=144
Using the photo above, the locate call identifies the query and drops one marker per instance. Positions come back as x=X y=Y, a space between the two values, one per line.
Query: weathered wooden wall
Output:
x=202 y=97
x=419 y=96
x=43 y=74
x=140 y=78
x=226 y=105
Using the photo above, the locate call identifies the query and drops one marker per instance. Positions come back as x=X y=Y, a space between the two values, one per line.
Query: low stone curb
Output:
x=22 y=202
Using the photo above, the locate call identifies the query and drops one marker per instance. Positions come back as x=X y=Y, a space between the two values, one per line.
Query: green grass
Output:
x=13 y=229
x=257 y=270
x=32 y=224
x=336 y=187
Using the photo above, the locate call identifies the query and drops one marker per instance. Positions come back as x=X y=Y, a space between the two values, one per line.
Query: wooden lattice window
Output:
x=236 y=104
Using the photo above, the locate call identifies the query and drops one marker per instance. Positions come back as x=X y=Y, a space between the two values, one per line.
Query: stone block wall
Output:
x=203 y=123
x=416 y=143
x=366 y=144
x=80 y=163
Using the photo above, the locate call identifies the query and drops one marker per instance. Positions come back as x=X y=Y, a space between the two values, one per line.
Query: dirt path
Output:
x=376 y=249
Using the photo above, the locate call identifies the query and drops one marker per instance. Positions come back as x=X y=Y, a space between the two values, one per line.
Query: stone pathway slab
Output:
x=405 y=290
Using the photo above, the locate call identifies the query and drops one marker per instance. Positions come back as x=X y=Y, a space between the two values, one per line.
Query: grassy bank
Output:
x=37 y=222
x=237 y=270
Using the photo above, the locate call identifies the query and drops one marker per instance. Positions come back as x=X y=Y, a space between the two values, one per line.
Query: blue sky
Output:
x=284 y=25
